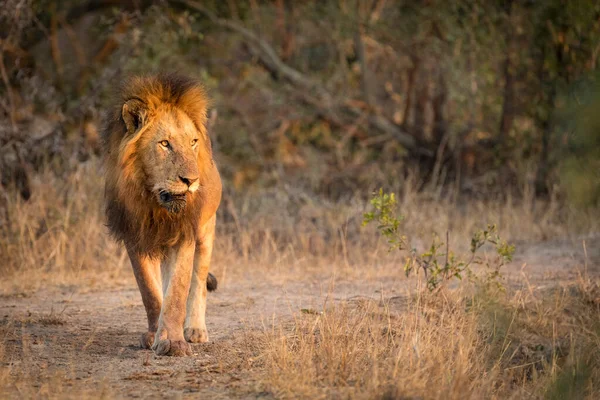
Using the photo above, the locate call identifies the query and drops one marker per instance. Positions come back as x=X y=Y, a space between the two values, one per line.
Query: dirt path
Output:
x=69 y=342
x=74 y=342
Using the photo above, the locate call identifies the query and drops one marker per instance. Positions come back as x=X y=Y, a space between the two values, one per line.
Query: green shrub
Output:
x=439 y=263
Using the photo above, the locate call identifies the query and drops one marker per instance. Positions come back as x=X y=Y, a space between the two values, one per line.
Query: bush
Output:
x=439 y=263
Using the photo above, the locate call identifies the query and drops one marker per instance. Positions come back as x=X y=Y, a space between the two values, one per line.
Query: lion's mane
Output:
x=133 y=213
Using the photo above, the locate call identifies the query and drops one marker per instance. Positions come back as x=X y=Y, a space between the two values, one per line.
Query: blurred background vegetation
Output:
x=470 y=97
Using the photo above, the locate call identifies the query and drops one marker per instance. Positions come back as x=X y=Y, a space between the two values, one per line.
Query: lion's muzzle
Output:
x=172 y=202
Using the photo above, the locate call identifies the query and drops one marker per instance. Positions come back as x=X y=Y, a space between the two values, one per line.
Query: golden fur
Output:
x=162 y=193
x=133 y=214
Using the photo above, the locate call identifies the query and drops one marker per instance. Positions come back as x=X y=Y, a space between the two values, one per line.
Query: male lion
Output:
x=162 y=193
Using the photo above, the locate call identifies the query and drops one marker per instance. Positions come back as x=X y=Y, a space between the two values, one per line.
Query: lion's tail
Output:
x=211 y=282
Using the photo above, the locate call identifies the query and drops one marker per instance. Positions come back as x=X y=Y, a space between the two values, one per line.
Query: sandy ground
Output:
x=76 y=342
x=86 y=341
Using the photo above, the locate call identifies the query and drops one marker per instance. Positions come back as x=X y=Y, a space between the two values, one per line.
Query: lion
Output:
x=162 y=193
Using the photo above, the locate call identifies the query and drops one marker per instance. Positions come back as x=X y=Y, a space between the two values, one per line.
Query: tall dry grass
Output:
x=468 y=344
x=59 y=234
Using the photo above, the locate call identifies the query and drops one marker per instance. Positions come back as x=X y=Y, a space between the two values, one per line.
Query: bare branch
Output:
x=11 y=101
x=359 y=47
x=319 y=96
x=268 y=54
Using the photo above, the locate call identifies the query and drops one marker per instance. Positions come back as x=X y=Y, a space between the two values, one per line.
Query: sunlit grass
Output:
x=467 y=342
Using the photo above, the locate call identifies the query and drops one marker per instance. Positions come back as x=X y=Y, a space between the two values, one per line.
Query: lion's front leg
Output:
x=176 y=276
x=195 y=323
x=147 y=275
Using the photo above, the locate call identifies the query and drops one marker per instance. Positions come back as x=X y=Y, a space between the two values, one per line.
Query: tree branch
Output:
x=319 y=96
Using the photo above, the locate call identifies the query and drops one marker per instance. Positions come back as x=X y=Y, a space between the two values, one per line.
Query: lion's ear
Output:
x=134 y=114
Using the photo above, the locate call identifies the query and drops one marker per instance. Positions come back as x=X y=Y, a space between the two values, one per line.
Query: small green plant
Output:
x=438 y=262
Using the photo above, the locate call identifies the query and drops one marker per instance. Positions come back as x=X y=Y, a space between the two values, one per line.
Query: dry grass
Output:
x=442 y=346
x=59 y=235
x=464 y=343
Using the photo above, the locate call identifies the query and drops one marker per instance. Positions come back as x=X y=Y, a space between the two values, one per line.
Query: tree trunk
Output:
x=410 y=88
x=508 y=109
x=359 y=48
x=438 y=102
x=541 y=178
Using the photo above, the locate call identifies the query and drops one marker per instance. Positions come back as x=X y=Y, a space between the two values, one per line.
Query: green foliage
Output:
x=439 y=263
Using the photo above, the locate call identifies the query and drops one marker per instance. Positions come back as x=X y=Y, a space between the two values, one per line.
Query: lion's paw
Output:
x=147 y=340
x=195 y=335
x=167 y=347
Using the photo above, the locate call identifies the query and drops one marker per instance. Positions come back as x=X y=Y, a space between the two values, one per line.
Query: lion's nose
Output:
x=188 y=181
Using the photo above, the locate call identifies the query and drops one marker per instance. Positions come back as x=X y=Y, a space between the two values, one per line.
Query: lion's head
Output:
x=158 y=152
x=168 y=146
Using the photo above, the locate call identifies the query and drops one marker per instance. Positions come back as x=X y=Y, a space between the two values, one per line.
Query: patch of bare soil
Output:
x=86 y=342
x=69 y=342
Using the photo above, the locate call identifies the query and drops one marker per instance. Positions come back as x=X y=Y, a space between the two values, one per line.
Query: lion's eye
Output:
x=164 y=143
x=194 y=141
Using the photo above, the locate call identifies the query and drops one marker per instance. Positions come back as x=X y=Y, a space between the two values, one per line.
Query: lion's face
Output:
x=169 y=157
